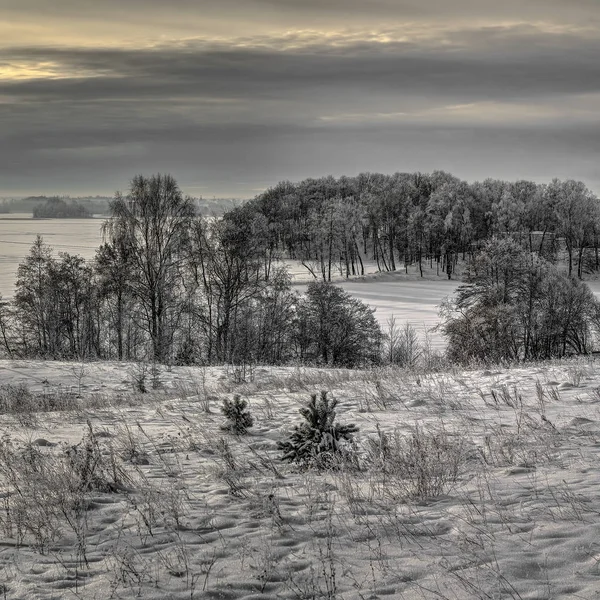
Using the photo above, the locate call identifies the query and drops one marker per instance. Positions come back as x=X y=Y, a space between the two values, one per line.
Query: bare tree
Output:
x=114 y=273
x=33 y=300
x=153 y=220
x=227 y=262
x=576 y=210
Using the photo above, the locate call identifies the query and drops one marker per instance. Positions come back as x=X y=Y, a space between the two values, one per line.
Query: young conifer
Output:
x=319 y=441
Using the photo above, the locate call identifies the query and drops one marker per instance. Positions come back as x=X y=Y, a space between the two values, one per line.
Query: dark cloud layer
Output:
x=237 y=15
x=520 y=66
x=231 y=117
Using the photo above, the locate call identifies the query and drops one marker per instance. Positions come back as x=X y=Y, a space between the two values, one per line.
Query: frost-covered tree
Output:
x=517 y=306
x=335 y=329
x=153 y=221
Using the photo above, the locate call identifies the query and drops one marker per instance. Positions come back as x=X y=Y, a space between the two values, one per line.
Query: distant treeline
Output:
x=408 y=218
x=33 y=204
x=56 y=208
x=44 y=206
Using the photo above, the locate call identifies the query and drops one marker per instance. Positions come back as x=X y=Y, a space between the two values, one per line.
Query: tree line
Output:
x=172 y=286
x=514 y=305
x=57 y=208
x=405 y=219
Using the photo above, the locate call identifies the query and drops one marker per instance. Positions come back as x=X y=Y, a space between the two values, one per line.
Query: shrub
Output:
x=424 y=464
x=139 y=377
x=401 y=346
x=319 y=441
x=92 y=468
x=46 y=492
x=239 y=420
x=21 y=401
x=17 y=399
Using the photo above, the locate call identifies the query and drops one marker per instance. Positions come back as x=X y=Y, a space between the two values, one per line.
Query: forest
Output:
x=57 y=208
x=170 y=285
x=410 y=218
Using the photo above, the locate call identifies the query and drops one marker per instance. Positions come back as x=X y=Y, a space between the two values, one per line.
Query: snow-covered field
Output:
x=498 y=496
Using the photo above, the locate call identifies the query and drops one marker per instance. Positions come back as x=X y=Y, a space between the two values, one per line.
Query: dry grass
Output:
x=461 y=485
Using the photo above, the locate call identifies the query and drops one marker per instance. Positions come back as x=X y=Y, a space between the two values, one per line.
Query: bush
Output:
x=46 y=492
x=423 y=465
x=17 y=399
x=92 y=468
x=402 y=346
x=319 y=442
x=239 y=419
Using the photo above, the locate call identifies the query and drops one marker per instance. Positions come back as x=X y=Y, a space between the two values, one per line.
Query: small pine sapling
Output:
x=319 y=441
x=239 y=419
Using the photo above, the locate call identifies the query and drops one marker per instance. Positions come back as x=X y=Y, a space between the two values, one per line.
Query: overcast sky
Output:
x=232 y=96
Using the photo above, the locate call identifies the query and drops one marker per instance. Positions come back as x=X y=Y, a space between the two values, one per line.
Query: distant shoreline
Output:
x=28 y=217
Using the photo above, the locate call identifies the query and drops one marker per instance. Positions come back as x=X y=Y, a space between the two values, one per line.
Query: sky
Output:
x=232 y=96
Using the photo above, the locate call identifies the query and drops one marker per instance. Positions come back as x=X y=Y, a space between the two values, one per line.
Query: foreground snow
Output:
x=202 y=514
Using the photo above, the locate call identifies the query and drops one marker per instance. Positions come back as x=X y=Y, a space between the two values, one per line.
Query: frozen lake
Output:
x=407 y=300
x=415 y=302
x=18 y=232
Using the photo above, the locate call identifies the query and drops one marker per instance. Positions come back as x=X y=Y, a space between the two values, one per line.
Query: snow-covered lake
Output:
x=18 y=232
x=414 y=302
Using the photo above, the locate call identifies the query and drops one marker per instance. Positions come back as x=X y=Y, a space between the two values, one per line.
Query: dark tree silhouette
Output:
x=518 y=306
x=153 y=221
x=336 y=329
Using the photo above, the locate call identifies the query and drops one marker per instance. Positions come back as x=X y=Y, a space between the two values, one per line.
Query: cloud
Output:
x=257 y=107
x=491 y=62
x=233 y=17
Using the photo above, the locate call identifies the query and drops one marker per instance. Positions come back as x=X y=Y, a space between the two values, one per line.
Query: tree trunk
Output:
x=580 y=261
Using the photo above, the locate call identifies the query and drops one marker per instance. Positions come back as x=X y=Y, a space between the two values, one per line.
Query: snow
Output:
x=413 y=302
x=520 y=521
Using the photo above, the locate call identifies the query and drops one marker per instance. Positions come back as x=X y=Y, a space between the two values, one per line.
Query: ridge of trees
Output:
x=172 y=286
x=404 y=219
